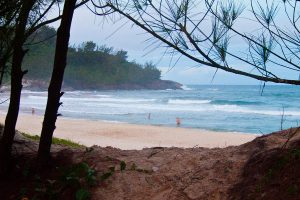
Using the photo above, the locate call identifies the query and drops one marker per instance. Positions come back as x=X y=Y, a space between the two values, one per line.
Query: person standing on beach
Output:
x=178 y=121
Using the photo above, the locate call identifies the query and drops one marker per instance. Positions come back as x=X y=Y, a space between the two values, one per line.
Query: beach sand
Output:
x=130 y=136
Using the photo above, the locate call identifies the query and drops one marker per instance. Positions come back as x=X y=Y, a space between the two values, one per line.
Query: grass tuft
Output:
x=59 y=141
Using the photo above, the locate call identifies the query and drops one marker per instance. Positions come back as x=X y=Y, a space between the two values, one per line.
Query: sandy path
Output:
x=130 y=136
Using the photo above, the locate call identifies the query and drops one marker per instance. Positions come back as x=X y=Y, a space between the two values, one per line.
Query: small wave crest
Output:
x=113 y=121
x=101 y=99
x=181 y=101
x=239 y=109
x=213 y=89
x=102 y=112
x=184 y=87
x=33 y=92
x=103 y=95
x=236 y=102
x=107 y=99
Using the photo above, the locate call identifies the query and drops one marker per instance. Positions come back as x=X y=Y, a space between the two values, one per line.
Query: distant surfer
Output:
x=149 y=116
x=32 y=111
x=178 y=121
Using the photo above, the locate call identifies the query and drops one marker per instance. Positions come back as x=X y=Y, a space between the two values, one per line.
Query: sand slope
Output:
x=173 y=173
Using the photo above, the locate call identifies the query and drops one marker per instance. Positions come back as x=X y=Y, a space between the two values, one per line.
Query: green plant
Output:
x=108 y=174
x=133 y=167
x=58 y=141
x=80 y=177
x=32 y=137
x=65 y=142
x=293 y=189
x=82 y=194
x=77 y=178
x=144 y=170
x=23 y=192
x=295 y=153
x=268 y=176
x=122 y=166
x=258 y=188
x=78 y=172
x=112 y=169
x=281 y=162
x=26 y=170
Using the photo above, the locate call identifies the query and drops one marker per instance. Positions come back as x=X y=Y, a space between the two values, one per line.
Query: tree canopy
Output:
x=89 y=66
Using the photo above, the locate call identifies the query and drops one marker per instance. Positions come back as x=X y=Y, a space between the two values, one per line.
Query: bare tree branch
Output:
x=179 y=24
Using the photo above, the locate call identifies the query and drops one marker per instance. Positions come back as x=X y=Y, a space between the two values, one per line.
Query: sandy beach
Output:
x=130 y=136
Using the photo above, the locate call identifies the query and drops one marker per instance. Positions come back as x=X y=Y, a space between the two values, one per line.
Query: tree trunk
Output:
x=3 y=62
x=16 y=87
x=54 y=90
x=2 y=69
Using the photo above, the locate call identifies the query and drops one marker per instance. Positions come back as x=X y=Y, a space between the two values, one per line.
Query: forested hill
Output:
x=89 y=66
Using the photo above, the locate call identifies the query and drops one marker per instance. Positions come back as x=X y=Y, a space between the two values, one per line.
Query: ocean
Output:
x=246 y=109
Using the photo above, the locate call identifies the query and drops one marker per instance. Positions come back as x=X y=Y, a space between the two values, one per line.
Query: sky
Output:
x=121 y=34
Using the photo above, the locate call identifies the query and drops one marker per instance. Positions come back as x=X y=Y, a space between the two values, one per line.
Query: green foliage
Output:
x=112 y=169
x=108 y=174
x=82 y=194
x=295 y=153
x=65 y=142
x=26 y=170
x=144 y=171
x=293 y=190
x=77 y=179
x=88 y=65
x=80 y=177
x=122 y=166
x=32 y=137
x=133 y=167
x=54 y=140
x=79 y=174
x=89 y=46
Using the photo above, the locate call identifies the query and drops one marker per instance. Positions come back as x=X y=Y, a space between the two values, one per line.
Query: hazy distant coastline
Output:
x=39 y=85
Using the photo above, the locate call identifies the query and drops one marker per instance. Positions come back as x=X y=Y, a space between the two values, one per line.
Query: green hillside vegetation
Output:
x=89 y=66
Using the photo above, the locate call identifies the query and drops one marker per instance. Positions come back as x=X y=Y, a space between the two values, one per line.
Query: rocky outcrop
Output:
x=154 y=85
x=163 y=85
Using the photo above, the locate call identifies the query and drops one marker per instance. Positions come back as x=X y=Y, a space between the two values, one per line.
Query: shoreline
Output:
x=130 y=136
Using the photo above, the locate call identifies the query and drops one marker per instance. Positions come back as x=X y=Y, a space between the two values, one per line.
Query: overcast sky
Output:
x=88 y=27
